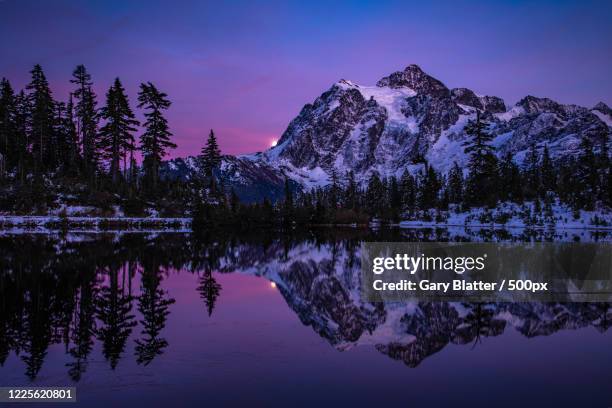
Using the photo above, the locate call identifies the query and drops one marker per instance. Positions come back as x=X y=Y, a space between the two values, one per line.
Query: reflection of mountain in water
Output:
x=322 y=284
x=79 y=290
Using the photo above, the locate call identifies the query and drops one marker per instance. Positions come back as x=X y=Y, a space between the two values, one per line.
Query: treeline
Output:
x=582 y=182
x=80 y=146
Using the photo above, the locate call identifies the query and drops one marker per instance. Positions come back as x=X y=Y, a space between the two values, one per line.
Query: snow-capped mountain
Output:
x=406 y=118
x=410 y=115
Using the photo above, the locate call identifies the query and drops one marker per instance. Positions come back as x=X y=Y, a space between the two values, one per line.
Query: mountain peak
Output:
x=603 y=108
x=414 y=68
x=415 y=78
x=534 y=104
x=465 y=96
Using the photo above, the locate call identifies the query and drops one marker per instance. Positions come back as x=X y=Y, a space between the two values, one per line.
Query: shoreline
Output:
x=41 y=223
x=53 y=223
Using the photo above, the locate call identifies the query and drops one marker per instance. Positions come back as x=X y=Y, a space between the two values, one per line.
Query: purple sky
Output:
x=246 y=68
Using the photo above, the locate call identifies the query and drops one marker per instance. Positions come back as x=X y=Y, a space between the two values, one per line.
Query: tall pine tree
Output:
x=531 y=173
x=116 y=138
x=86 y=118
x=408 y=190
x=351 y=193
x=604 y=169
x=21 y=118
x=586 y=176
x=548 y=179
x=455 y=184
x=510 y=180
x=155 y=141
x=375 y=196
x=481 y=186
x=8 y=152
x=41 y=120
x=72 y=158
x=211 y=155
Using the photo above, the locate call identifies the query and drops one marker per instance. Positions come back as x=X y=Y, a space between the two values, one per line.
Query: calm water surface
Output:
x=277 y=320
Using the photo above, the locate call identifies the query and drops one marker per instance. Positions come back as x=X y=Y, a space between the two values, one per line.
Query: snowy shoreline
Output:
x=423 y=224
x=40 y=223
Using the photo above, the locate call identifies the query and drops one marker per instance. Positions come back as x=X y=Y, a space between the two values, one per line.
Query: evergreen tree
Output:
x=408 y=192
x=8 y=145
x=86 y=118
x=288 y=204
x=531 y=173
x=21 y=115
x=510 y=180
x=481 y=186
x=234 y=202
x=116 y=139
x=586 y=175
x=60 y=135
x=155 y=141
x=334 y=191
x=351 y=194
x=429 y=188
x=211 y=156
x=455 y=184
x=395 y=196
x=72 y=158
x=132 y=174
x=41 y=120
x=375 y=196
x=547 y=174
x=568 y=186
x=604 y=169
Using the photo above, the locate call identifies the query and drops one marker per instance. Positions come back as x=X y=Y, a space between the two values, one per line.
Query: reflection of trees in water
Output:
x=83 y=328
x=153 y=304
x=109 y=288
x=114 y=312
x=37 y=329
x=480 y=322
x=209 y=290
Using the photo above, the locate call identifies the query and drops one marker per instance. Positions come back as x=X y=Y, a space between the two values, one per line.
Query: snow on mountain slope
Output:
x=406 y=118
x=410 y=116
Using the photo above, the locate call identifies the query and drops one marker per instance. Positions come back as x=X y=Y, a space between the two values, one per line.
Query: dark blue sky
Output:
x=245 y=68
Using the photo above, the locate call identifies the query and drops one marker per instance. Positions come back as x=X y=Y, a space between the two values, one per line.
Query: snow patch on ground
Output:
x=511 y=215
x=36 y=223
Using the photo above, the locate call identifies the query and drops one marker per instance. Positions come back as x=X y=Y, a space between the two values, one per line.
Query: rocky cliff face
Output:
x=410 y=116
x=406 y=118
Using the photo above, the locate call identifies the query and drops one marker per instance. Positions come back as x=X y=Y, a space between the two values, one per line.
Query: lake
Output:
x=268 y=319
